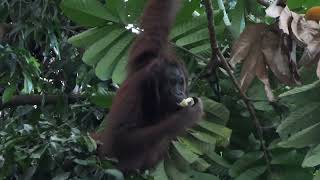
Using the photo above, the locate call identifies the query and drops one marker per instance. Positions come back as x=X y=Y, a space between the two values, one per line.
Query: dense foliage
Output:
x=61 y=62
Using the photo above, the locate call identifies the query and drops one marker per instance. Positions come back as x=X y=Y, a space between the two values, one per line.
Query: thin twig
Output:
x=249 y=105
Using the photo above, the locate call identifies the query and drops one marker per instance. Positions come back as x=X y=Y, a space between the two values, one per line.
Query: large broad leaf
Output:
x=185 y=152
x=252 y=173
x=159 y=173
x=187 y=9
x=317 y=176
x=216 y=109
x=173 y=172
x=88 y=37
x=187 y=27
x=89 y=13
x=306 y=137
x=291 y=173
x=97 y=50
x=223 y=132
x=8 y=94
x=238 y=19
x=62 y=176
x=117 y=8
x=301 y=89
x=312 y=158
x=120 y=72
x=105 y=45
x=299 y=119
x=107 y=64
x=134 y=10
x=194 y=175
x=287 y=157
x=303 y=4
x=244 y=163
x=193 y=38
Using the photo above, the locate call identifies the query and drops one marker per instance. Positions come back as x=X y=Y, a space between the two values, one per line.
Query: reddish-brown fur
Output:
x=139 y=123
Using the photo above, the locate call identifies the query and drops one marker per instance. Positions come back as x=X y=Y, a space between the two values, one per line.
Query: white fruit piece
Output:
x=187 y=102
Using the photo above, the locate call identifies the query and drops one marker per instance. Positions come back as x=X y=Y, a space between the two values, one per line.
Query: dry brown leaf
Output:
x=274 y=10
x=262 y=74
x=247 y=39
x=285 y=20
x=249 y=66
x=296 y=29
x=307 y=34
x=304 y=31
x=276 y=58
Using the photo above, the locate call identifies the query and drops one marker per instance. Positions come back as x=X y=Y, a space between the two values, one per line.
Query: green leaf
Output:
x=188 y=7
x=90 y=36
x=159 y=173
x=299 y=119
x=117 y=8
x=173 y=172
x=222 y=131
x=312 y=158
x=189 y=144
x=204 y=137
x=215 y=108
x=306 y=137
x=90 y=143
x=85 y=162
x=287 y=157
x=8 y=93
x=201 y=48
x=291 y=173
x=39 y=152
x=62 y=176
x=107 y=64
x=194 y=175
x=238 y=19
x=252 y=173
x=134 y=10
x=2 y=160
x=89 y=13
x=218 y=159
x=201 y=165
x=115 y=173
x=97 y=50
x=303 y=4
x=193 y=38
x=28 y=174
x=102 y=100
x=244 y=163
x=120 y=72
x=317 y=176
x=188 y=27
x=185 y=152
x=301 y=89
x=28 y=85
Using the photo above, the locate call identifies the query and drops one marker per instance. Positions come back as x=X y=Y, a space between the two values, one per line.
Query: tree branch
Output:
x=217 y=52
x=39 y=99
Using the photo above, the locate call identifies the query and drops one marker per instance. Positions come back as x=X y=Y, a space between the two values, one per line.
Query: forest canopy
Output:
x=254 y=63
